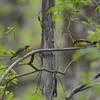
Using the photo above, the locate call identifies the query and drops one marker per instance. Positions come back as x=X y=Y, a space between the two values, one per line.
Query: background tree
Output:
x=48 y=42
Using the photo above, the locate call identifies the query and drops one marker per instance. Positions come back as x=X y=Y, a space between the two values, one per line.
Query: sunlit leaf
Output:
x=9 y=29
x=84 y=23
x=52 y=10
x=9 y=95
x=98 y=8
x=54 y=17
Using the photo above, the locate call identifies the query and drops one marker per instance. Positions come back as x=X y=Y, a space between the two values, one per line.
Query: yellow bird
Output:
x=21 y=51
x=82 y=43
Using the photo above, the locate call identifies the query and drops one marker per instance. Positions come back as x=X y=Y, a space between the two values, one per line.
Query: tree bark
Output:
x=48 y=42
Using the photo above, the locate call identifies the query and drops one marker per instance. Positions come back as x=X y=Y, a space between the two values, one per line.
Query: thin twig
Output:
x=37 y=85
x=69 y=65
x=68 y=27
x=17 y=39
x=61 y=83
x=36 y=77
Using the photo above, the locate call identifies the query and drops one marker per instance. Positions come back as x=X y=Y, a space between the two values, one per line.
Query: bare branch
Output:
x=36 y=77
x=68 y=65
x=81 y=88
x=34 y=52
x=97 y=75
x=32 y=59
x=73 y=92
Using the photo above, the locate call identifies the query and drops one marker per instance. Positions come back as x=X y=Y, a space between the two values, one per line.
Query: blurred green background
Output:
x=23 y=16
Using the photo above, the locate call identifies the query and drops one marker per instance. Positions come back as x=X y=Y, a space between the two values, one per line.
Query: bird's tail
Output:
x=11 y=57
x=95 y=42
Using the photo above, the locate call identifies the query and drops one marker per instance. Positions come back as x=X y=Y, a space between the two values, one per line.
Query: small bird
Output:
x=21 y=51
x=82 y=43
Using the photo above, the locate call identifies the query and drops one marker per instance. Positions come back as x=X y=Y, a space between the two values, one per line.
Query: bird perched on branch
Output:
x=21 y=51
x=82 y=43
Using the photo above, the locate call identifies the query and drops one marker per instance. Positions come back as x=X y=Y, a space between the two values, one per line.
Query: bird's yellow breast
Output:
x=80 y=44
x=27 y=49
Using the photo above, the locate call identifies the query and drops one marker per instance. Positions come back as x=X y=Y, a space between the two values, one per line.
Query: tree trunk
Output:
x=48 y=42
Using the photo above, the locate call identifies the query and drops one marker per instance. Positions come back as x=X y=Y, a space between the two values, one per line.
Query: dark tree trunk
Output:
x=48 y=42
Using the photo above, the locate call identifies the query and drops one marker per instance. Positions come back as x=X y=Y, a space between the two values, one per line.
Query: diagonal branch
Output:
x=81 y=88
x=73 y=92
x=32 y=53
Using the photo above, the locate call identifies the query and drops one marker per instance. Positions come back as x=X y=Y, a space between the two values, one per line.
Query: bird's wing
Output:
x=17 y=52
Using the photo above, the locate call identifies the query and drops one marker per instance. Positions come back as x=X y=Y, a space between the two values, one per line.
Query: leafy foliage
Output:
x=10 y=75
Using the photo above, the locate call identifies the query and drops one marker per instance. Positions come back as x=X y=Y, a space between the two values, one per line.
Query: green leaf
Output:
x=52 y=10
x=84 y=23
x=7 y=32
x=10 y=52
x=14 y=81
x=98 y=46
x=97 y=8
x=54 y=17
x=93 y=36
x=2 y=66
x=89 y=20
x=9 y=95
x=98 y=29
x=74 y=19
x=9 y=29
x=76 y=11
x=5 y=53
